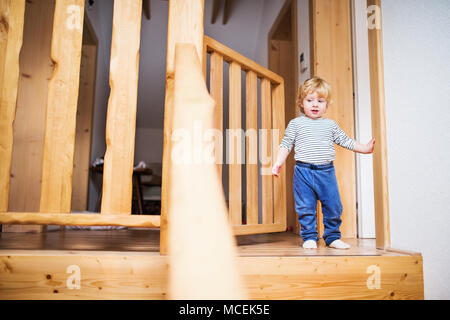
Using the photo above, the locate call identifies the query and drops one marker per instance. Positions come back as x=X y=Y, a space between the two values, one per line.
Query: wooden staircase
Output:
x=199 y=248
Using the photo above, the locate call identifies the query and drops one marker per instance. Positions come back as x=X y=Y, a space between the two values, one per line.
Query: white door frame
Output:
x=363 y=119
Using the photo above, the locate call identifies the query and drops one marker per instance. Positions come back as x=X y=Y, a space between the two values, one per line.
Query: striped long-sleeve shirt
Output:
x=314 y=139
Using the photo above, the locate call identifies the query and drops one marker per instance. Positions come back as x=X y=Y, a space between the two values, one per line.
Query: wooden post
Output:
x=185 y=25
x=59 y=137
x=122 y=104
x=11 y=34
x=199 y=268
x=251 y=146
x=235 y=145
x=380 y=170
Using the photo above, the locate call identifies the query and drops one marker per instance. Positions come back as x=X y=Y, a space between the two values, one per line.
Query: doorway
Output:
x=330 y=41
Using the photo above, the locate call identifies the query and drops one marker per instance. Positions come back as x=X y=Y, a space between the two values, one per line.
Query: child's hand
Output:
x=370 y=146
x=276 y=169
x=365 y=148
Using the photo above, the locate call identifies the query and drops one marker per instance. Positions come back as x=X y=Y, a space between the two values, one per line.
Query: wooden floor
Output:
x=147 y=240
x=126 y=264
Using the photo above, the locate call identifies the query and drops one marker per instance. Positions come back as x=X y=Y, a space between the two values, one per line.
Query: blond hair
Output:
x=312 y=85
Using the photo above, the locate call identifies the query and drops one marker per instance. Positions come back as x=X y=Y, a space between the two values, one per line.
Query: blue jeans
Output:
x=317 y=182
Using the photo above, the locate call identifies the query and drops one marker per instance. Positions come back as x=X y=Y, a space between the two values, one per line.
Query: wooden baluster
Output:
x=251 y=146
x=205 y=59
x=235 y=145
x=266 y=126
x=121 y=117
x=279 y=184
x=216 y=91
x=11 y=34
x=59 y=137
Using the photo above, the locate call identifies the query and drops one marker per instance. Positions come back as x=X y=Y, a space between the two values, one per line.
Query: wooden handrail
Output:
x=201 y=245
x=246 y=64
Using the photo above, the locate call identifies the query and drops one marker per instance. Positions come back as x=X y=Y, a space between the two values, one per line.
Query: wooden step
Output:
x=126 y=264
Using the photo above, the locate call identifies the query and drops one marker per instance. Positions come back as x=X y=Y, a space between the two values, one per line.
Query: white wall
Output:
x=416 y=37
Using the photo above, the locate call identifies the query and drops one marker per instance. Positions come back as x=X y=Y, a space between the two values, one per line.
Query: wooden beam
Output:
x=77 y=219
x=147 y=9
x=11 y=36
x=380 y=168
x=122 y=105
x=185 y=25
x=228 y=10
x=215 y=12
x=59 y=137
x=199 y=268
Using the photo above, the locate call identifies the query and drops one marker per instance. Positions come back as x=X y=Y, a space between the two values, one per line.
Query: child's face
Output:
x=314 y=106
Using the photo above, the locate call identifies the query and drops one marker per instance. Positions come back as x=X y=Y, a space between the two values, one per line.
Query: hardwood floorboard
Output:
x=147 y=240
